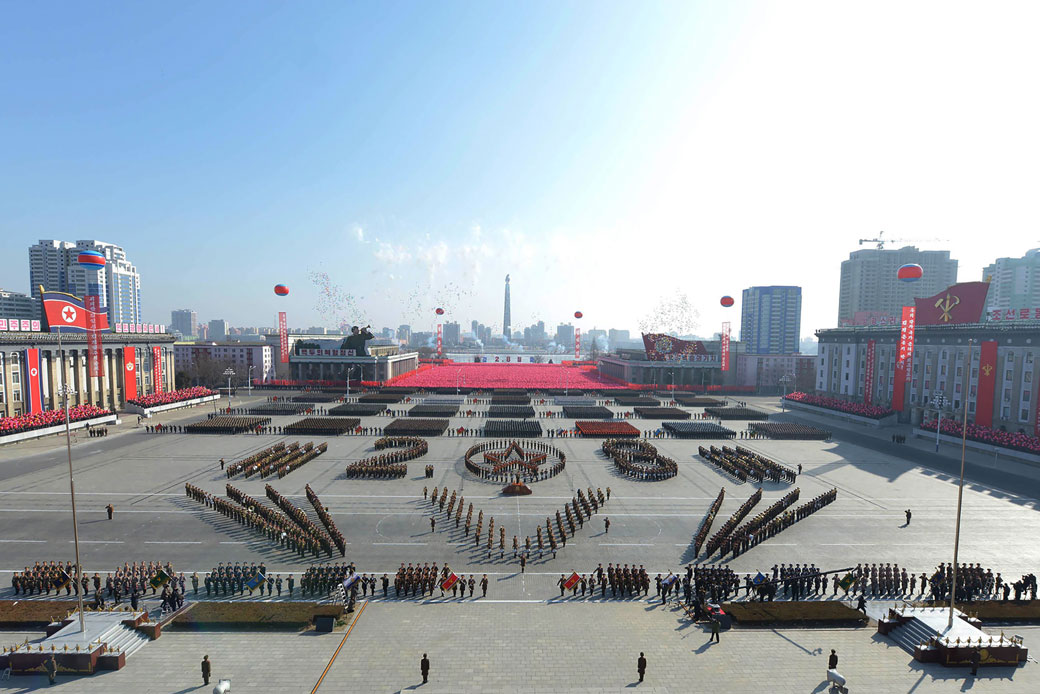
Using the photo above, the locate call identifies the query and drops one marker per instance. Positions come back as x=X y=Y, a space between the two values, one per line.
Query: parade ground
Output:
x=522 y=636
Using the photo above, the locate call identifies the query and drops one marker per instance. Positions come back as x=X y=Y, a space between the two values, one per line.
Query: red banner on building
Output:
x=868 y=372
x=95 y=365
x=577 y=343
x=129 y=373
x=987 y=384
x=283 y=337
x=904 y=358
x=157 y=369
x=724 y=346
x=440 y=339
x=33 y=391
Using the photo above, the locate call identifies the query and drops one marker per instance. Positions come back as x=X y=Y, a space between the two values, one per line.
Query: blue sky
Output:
x=609 y=156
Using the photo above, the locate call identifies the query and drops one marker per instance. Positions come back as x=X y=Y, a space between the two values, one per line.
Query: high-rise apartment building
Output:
x=404 y=332
x=218 y=330
x=184 y=321
x=771 y=319
x=54 y=265
x=1014 y=283
x=18 y=306
x=869 y=284
x=565 y=335
x=452 y=334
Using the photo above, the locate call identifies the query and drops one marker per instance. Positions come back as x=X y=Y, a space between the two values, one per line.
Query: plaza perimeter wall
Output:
x=997 y=451
x=890 y=420
x=59 y=429
x=148 y=411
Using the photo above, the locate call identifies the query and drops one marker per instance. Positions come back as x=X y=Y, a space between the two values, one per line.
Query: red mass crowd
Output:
x=50 y=418
x=856 y=408
x=994 y=437
x=172 y=396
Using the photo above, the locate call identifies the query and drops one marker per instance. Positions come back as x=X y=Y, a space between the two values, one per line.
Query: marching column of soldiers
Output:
x=640 y=460
x=390 y=465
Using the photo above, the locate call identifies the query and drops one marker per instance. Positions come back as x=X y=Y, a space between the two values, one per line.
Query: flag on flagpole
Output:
x=759 y=579
x=669 y=579
x=846 y=581
x=160 y=579
x=255 y=580
x=572 y=580
x=350 y=580
x=448 y=582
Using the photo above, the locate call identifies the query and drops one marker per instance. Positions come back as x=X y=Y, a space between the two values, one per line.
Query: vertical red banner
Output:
x=987 y=384
x=283 y=337
x=868 y=373
x=724 y=346
x=577 y=343
x=129 y=373
x=440 y=339
x=95 y=366
x=904 y=358
x=157 y=369
x=33 y=392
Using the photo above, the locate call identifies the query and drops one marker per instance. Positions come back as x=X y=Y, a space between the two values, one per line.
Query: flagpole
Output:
x=65 y=391
x=960 y=498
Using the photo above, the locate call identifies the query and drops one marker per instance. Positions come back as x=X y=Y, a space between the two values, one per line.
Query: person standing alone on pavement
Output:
x=424 y=668
x=832 y=661
x=606 y=525
x=110 y=509
x=205 y=669
x=908 y=516
x=641 y=666
x=714 y=630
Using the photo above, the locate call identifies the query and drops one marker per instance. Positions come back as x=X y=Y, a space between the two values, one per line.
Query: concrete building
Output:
x=617 y=337
x=1014 y=283
x=869 y=284
x=565 y=335
x=452 y=334
x=325 y=364
x=106 y=391
x=250 y=361
x=404 y=333
x=775 y=373
x=184 y=321
x=941 y=364
x=218 y=330
x=771 y=319
x=48 y=266
x=18 y=306
x=633 y=366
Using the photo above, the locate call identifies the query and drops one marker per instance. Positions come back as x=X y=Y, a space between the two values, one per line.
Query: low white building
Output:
x=240 y=356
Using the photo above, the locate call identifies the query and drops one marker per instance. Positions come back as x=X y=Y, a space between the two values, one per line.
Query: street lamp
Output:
x=784 y=380
x=458 y=373
x=960 y=499
x=65 y=391
x=229 y=372
x=350 y=370
x=250 y=380
x=940 y=402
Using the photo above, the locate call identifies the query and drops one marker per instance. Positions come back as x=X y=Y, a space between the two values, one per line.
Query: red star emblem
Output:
x=68 y=314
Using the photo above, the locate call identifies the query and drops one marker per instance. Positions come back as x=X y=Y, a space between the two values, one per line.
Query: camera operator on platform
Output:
x=357 y=339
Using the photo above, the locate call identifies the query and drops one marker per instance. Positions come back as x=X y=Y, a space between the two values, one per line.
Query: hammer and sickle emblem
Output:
x=946 y=305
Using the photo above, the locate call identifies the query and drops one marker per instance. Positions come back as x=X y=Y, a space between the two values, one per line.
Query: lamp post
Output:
x=229 y=372
x=784 y=380
x=940 y=402
x=350 y=370
x=458 y=373
x=249 y=377
x=65 y=391
x=960 y=498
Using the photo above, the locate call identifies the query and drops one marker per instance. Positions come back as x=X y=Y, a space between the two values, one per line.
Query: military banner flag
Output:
x=255 y=580
x=572 y=580
x=669 y=579
x=160 y=579
x=846 y=581
x=448 y=582
x=350 y=581
x=759 y=579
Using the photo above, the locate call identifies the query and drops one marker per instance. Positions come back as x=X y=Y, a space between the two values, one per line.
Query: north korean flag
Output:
x=67 y=312
x=33 y=382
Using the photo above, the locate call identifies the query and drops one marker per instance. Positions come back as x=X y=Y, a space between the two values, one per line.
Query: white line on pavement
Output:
x=409 y=544
x=172 y=542
x=99 y=542
x=626 y=544
x=36 y=541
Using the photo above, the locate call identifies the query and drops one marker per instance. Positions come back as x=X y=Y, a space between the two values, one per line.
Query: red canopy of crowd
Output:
x=172 y=396
x=50 y=418
x=856 y=408
x=530 y=376
x=994 y=437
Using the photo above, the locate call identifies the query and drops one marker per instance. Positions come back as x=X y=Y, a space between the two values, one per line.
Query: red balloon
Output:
x=726 y=301
x=440 y=311
x=577 y=314
x=281 y=290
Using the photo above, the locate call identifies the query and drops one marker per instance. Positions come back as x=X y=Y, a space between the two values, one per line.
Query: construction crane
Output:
x=881 y=241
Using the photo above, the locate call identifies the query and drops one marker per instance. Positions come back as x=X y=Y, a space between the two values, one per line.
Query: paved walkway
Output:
x=534 y=648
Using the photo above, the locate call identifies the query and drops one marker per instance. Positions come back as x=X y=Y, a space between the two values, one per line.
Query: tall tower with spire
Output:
x=505 y=314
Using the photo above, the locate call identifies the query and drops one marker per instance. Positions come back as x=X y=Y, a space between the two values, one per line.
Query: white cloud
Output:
x=360 y=233
x=392 y=255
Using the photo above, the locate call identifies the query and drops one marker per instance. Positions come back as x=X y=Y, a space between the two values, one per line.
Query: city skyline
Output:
x=720 y=146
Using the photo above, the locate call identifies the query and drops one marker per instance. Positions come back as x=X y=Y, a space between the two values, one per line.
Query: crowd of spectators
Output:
x=49 y=418
x=171 y=397
x=857 y=408
x=1018 y=441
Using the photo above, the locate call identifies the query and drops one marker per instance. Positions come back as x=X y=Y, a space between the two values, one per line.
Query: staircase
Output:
x=121 y=638
x=911 y=634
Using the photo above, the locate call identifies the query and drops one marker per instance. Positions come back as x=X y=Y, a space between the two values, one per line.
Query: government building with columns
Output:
x=107 y=391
